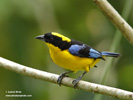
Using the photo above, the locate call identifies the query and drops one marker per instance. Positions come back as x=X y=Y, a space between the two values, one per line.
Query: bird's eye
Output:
x=51 y=38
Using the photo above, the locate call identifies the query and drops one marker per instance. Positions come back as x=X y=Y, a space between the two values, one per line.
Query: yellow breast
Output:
x=68 y=61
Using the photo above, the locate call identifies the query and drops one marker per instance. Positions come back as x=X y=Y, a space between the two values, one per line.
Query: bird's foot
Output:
x=61 y=77
x=75 y=82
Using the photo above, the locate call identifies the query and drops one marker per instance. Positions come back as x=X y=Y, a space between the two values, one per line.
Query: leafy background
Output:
x=22 y=20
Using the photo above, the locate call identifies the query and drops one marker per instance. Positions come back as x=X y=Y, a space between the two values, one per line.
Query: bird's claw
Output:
x=61 y=77
x=75 y=82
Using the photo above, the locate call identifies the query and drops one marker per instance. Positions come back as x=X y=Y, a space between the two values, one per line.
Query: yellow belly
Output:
x=68 y=61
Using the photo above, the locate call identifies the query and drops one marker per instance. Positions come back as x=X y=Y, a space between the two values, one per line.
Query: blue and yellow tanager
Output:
x=72 y=54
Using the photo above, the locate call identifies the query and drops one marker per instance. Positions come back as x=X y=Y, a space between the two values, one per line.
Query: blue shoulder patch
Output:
x=74 y=49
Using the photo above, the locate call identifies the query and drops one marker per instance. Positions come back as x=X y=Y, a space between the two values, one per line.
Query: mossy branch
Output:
x=50 y=77
x=116 y=19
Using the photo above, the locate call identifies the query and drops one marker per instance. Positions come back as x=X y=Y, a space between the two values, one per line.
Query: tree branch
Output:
x=116 y=19
x=86 y=86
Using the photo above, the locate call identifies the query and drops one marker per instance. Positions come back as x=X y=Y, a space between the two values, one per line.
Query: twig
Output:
x=86 y=86
x=114 y=16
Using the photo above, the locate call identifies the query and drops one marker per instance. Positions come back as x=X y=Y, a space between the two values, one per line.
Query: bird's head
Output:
x=48 y=37
x=55 y=39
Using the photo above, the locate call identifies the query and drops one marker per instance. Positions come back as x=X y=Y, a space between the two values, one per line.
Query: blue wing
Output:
x=84 y=51
x=94 y=54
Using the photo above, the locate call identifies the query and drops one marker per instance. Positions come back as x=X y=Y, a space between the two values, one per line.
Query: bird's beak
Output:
x=40 y=37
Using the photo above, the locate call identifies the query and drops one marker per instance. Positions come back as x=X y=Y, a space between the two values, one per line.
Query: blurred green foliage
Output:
x=22 y=20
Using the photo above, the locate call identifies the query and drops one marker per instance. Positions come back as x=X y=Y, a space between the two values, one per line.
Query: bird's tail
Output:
x=109 y=54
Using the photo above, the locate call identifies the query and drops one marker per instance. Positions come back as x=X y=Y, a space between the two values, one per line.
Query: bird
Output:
x=72 y=55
